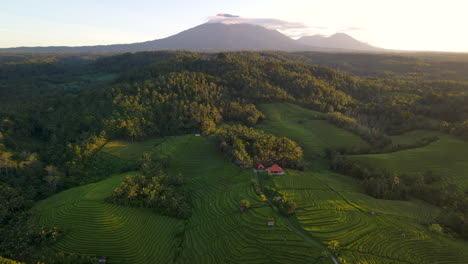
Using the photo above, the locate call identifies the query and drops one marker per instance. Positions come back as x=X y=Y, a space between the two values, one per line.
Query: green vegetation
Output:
x=248 y=147
x=130 y=150
x=335 y=207
x=307 y=128
x=154 y=189
x=95 y=227
x=216 y=232
x=446 y=157
x=62 y=119
x=8 y=261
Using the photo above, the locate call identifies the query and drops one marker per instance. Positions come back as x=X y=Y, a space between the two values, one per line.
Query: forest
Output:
x=57 y=111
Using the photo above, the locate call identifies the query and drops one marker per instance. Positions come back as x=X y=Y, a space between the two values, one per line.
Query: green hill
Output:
x=446 y=158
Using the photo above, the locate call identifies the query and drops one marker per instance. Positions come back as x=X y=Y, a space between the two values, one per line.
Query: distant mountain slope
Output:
x=217 y=36
x=337 y=41
x=205 y=37
x=221 y=37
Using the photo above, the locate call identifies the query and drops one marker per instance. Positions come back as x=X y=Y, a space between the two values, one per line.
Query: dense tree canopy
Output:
x=249 y=147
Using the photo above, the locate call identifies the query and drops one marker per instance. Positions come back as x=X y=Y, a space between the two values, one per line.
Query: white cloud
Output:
x=291 y=29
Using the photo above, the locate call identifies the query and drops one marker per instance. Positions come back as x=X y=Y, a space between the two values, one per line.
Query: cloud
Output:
x=226 y=15
x=291 y=29
x=351 y=29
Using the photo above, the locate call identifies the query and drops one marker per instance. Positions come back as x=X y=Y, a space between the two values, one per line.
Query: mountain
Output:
x=218 y=36
x=337 y=41
x=205 y=37
x=221 y=37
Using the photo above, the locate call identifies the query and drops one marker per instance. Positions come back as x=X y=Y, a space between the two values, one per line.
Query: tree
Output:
x=245 y=204
x=334 y=245
x=436 y=228
x=287 y=207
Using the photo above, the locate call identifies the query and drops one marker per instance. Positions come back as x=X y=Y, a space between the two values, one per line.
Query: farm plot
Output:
x=94 y=227
x=334 y=207
x=215 y=233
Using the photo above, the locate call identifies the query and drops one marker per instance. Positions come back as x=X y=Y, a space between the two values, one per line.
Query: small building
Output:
x=260 y=167
x=197 y=135
x=373 y=213
x=276 y=170
x=270 y=223
x=102 y=259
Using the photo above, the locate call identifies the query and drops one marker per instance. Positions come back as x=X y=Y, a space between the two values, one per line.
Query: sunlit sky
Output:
x=393 y=24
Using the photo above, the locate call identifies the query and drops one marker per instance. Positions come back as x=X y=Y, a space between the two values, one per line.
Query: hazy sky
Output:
x=393 y=24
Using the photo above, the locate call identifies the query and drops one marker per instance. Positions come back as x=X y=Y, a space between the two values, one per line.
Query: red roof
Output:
x=260 y=166
x=275 y=168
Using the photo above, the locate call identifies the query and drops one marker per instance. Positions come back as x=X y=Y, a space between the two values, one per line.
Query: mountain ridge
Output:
x=217 y=37
x=337 y=41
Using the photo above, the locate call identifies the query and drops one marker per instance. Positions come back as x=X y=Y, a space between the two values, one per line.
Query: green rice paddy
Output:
x=334 y=207
x=331 y=206
x=216 y=232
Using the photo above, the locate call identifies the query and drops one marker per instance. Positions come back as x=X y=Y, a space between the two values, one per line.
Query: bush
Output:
x=245 y=204
x=436 y=228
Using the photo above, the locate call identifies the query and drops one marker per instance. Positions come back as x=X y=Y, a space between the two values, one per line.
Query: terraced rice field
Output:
x=94 y=227
x=216 y=233
x=334 y=207
x=447 y=158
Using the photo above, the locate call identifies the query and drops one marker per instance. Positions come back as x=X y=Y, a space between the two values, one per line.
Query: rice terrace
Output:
x=330 y=207
x=331 y=132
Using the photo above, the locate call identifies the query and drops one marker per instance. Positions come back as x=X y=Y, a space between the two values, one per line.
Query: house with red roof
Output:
x=276 y=170
x=260 y=167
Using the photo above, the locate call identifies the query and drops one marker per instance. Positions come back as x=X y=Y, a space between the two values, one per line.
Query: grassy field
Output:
x=334 y=207
x=447 y=158
x=413 y=136
x=302 y=125
x=216 y=232
x=130 y=151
